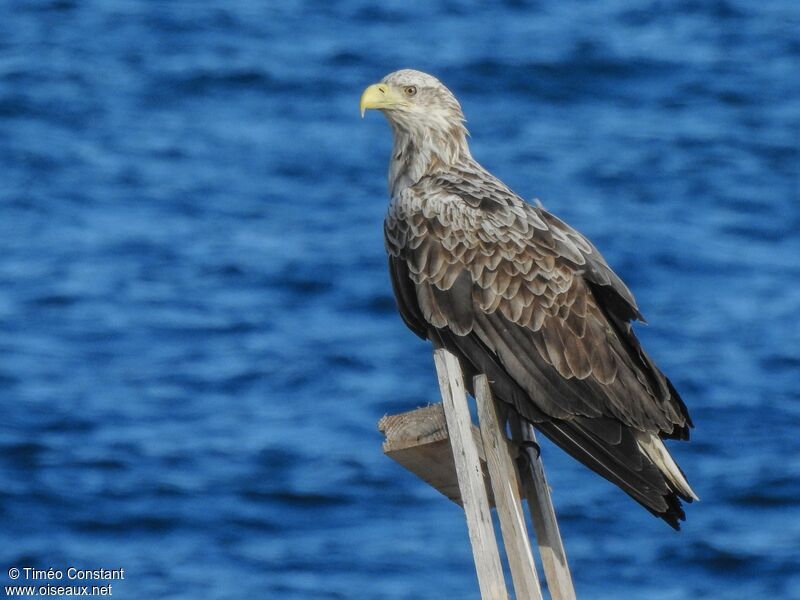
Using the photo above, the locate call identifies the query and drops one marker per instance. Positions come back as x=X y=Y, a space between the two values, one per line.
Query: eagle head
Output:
x=424 y=115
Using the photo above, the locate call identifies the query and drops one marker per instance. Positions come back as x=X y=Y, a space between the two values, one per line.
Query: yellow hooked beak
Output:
x=378 y=95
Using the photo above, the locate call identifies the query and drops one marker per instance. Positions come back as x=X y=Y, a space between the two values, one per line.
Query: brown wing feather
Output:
x=524 y=298
x=536 y=280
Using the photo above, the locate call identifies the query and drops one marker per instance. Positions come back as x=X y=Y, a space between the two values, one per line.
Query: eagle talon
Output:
x=529 y=444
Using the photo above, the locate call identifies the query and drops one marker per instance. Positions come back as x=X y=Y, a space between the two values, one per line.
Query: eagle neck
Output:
x=416 y=154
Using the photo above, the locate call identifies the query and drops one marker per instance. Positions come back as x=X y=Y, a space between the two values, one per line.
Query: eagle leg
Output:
x=527 y=446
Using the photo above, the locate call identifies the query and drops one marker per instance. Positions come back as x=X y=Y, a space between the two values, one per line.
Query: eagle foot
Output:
x=528 y=444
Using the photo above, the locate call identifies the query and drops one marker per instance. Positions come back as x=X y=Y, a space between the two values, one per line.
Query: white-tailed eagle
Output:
x=519 y=295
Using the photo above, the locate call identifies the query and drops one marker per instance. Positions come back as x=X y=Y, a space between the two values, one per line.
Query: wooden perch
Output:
x=503 y=478
x=479 y=469
x=418 y=440
x=543 y=515
x=471 y=477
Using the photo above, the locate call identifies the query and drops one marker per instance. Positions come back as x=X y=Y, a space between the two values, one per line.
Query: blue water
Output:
x=197 y=329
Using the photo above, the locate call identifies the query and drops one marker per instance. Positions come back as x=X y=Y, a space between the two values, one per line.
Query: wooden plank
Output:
x=418 y=441
x=470 y=477
x=413 y=428
x=543 y=515
x=503 y=477
x=419 y=427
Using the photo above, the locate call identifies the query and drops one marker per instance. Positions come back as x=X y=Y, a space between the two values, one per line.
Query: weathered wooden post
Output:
x=543 y=515
x=478 y=469
x=504 y=480
x=470 y=477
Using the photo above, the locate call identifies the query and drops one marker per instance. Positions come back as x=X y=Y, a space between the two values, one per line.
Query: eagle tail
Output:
x=605 y=445
x=647 y=474
x=655 y=450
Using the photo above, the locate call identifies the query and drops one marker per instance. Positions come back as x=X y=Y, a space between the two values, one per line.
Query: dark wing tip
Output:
x=673 y=515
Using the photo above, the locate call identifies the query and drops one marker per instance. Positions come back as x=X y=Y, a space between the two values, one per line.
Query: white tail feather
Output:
x=655 y=450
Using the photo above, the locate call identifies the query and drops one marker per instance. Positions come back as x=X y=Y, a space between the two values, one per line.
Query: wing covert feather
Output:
x=489 y=265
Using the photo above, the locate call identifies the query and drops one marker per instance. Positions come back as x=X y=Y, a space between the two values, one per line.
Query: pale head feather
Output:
x=428 y=128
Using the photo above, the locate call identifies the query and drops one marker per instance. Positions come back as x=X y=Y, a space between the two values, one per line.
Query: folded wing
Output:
x=521 y=296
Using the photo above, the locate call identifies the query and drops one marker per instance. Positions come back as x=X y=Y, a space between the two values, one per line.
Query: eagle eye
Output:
x=410 y=91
